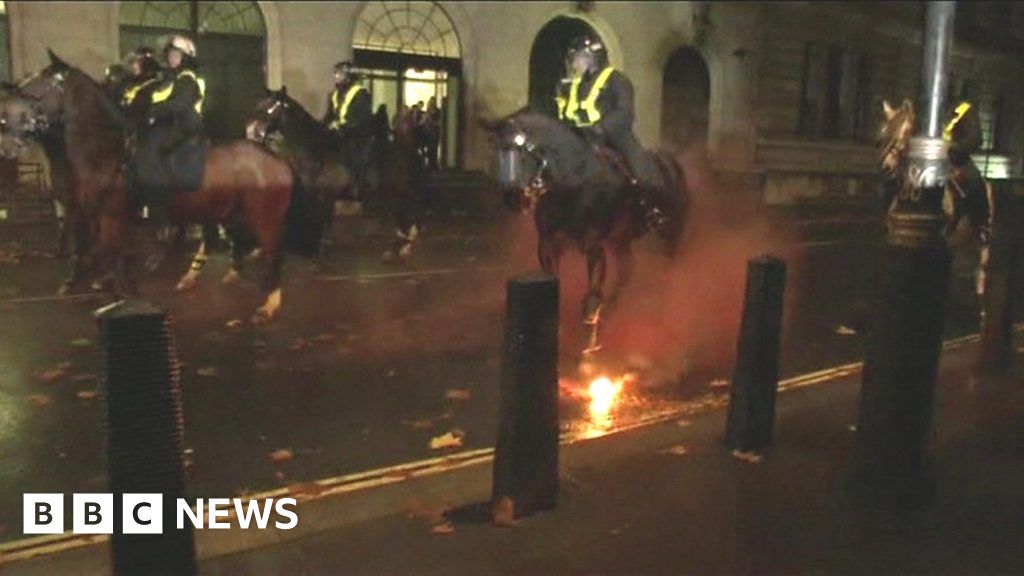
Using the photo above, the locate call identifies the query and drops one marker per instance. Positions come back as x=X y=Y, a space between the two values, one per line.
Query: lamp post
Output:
x=898 y=391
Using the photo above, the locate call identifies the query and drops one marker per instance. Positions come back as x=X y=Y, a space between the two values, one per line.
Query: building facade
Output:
x=786 y=96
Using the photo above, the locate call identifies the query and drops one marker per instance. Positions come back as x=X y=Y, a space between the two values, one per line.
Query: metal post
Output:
x=526 y=458
x=897 y=395
x=145 y=431
x=756 y=377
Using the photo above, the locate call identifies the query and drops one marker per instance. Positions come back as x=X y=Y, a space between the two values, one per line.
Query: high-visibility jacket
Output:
x=583 y=112
x=165 y=92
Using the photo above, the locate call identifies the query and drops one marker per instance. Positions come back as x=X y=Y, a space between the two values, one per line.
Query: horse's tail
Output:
x=304 y=222
x=679 y=210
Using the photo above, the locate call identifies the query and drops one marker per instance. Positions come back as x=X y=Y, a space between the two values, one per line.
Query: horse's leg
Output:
x=81 y=239
x=271 y=284
x=234 y=274
x=406 y=232
x=549 y=254
x=593 y=303
x=60 y=212
x=188 y=281
x=624 y=265
x=111 y=244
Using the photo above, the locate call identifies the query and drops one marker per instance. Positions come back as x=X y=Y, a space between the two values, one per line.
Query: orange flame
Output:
x=603 y=394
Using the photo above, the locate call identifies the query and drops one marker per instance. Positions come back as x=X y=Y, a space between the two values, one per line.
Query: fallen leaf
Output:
x=303 y=491
x=748 y=457
x=281 y=455
x=297 y=344
x=852 y=427
x=325 y=337
x=503 y=512
x=86 y=377
x=279 y=476
x=720 y=383
x=39 y=399
x=81 y=342
x=683 y=423
x=677 y=450
x=233 y=323
x=844 y=330
x=86 y=394
x=444 y=529
x=207 y=372
x=458 y=394
x=424 y=424
x=50 y=376
x=447 y=440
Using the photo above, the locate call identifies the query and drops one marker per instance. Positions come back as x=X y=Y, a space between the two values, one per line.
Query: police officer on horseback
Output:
x=178 y=102
x=143 y=80
x=963 y=133
x=597 y=99
x=350 y=116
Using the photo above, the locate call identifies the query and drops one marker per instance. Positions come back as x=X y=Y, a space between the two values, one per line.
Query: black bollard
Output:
x=898 y=390
x=755 y=379
x=1000 y=281
x=145 y=431
x=526 y=458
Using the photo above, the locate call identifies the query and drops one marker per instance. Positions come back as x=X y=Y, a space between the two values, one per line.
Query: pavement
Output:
x=679 y=503
x=367 y=364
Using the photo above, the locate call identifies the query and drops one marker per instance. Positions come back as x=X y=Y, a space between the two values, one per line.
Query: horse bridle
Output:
x=38 y=121
x=271 y=125
x=535 y=188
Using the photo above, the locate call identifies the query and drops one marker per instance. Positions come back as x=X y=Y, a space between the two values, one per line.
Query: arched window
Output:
x=5 y=44
x=411 y=56
x=407 y=27
x=230 y=38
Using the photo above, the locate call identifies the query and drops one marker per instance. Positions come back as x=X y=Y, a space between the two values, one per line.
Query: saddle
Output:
x=160 y=171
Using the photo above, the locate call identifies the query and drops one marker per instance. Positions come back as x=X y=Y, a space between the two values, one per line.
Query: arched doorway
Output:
x=547 y=59
x=231 y=39
x=685 y=97
x=410 y=55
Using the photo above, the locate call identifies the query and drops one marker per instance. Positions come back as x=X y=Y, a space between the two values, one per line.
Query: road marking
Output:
x=54 y=298
x=410 y=274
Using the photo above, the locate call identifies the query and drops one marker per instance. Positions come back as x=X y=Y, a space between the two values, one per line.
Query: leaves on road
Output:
x=81 y=342
x=844 y=330
x=443 y=529
x=451 y=439
x=677 y=450
x=207 y=372
x=683 y=423
x=84 y=377
x=39 y=399
x=718 y=384
x=282 y=455
x=52 y=375
x=748 y=457
x=86 y=394
x=461 y=394
x=235 y=323
x=305 y=491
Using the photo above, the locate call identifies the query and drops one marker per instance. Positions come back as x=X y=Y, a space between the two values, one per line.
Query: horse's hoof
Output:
x=405 y=252
x=389 y=257
x=260 y=318
x=232 y=277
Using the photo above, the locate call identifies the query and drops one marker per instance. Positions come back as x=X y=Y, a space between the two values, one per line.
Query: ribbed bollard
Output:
x=526 y=459
x=1000 y=282
x=145 y=430
x=755 y=379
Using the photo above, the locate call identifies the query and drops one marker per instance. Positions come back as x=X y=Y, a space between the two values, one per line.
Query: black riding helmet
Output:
x=348 y=67
x=588 y=44
x=146 y=58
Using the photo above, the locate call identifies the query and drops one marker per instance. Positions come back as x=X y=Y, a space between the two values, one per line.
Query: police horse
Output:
x=583 y=196
x=244 y=187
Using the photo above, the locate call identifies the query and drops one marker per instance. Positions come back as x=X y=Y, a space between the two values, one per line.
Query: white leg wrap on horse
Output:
x=232 y=277
x=188 y=281
x=271 y=306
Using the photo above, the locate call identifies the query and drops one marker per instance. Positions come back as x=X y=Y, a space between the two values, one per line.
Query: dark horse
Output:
x=244 y=187
x=315 y=154
x=581 y=195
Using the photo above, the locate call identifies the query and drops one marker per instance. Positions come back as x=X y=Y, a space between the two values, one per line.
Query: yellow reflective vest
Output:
x=583 y=113
x=131 y=93
x=961 y=110
x=165 y=92
x=346 y=101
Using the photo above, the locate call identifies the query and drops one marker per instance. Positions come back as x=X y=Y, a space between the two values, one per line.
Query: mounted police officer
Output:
x=178 y=102
x=597 y=99
x=963 y=133
x=143 y=80
x=350 y=116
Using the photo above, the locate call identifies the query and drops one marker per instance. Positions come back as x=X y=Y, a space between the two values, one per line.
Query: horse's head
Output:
x=523 y=157
x=33 y=106
x=894 y=134
x=270 y=116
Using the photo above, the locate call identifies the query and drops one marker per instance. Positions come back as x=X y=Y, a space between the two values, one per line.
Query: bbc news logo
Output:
x=144 y=513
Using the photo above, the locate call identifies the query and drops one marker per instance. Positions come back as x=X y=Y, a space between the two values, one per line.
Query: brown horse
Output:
x=244 y=187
